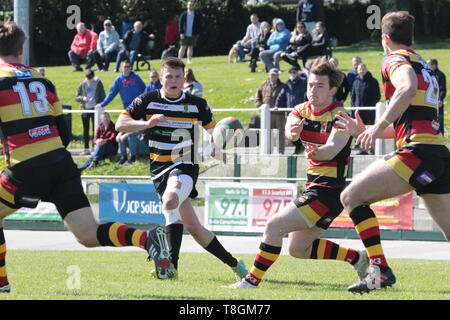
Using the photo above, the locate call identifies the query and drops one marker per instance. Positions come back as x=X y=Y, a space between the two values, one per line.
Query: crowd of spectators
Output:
x=269 y=43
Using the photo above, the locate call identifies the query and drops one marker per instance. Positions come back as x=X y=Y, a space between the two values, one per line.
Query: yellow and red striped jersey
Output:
x=419 y=123
x=28 y=107
x=316 y=130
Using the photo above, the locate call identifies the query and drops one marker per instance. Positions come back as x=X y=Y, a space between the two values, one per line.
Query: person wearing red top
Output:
x=104 y=141
x=421 y=162
x=84 y=41
x=172 y=35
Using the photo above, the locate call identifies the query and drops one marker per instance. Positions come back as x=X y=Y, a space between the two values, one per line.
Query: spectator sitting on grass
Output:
x=191 y=85
x=137 y=147
x=105 y=142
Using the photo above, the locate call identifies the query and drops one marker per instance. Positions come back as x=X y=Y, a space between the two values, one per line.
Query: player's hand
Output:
x=155 y=119
x=349 y=125
x=310 y=150
x=366 y=140
x=294 y=128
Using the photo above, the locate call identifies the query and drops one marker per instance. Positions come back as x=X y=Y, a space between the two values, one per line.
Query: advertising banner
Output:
x=394 y=214
x=244 y=207
x=129 y=203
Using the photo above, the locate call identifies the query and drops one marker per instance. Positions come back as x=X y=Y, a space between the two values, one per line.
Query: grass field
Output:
x=125 y=275
x=232 y=85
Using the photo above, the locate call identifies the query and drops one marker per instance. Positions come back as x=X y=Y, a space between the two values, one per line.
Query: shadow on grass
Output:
x=317 y=285
x=419 y=44
x=119 y=296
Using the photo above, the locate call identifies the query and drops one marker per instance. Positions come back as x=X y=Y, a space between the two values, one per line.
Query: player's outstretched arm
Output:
x=355 y=126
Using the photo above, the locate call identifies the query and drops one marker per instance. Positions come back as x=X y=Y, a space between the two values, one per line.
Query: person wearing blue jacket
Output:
x=128 y=84
x=278 y=41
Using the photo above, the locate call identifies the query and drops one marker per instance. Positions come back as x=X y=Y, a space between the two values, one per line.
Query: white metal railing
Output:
x=382 y=146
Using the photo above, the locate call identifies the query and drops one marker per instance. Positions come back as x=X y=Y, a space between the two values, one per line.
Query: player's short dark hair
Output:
x=399 y=26
x=12 y=39
x=173 y=63
x=323 y=67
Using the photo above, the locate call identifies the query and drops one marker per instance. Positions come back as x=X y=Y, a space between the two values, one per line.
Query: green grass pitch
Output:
x=125 y=275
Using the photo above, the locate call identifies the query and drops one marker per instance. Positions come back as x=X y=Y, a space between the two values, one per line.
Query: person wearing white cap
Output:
x=107 y=46
x=267 y=93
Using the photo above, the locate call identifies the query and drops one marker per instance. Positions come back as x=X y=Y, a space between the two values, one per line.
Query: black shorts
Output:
x=319 y=206
x=425 y=167
x=58 y=182
x=188 y=169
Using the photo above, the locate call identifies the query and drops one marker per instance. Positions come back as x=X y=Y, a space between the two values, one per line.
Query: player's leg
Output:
x=306 y=244
x=438 y=205
x=204 y=237
x=377 y=182
x=74 y=208
x=182 y=51
x=4 y=283
x=284 y=222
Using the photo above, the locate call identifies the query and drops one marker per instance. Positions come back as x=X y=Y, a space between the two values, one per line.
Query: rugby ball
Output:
x=228 y=133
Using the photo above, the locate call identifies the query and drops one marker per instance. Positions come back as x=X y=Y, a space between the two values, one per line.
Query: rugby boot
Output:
x=5 y=289
x=159 y=251
x=361 y=265
x=240 y=271
x=374 y=280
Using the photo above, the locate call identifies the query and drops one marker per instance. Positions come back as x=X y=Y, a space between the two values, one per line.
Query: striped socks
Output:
x=326 y=249
x=366 y=225
x=120 y=235
x=3 y=274
x=265 y=257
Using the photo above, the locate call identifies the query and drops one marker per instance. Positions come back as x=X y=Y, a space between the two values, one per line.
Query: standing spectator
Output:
x=299 y=38
x=250 y=40
x=133 y=44
x=264 y=35
x=365 y=93
x=107 y=46
x=440 y=77
x=137 y=147
x=105 y=142
x=128 y=84
x=89 y=93
x=308 y=12
x=278 y=41
x=267 y=93
x=81 y=45
x=191 y=85
x=353 y=74
x=190 y=25
x=344 y=90
x=155 y=83
x=172 y=35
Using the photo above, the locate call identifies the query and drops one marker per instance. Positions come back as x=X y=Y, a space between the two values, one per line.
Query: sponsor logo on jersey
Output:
x=23 y=73
x=39 y=132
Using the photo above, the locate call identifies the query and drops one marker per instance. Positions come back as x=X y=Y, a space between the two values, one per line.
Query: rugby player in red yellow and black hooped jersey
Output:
x=307 y=218
x=34 y=136
x=421 y=162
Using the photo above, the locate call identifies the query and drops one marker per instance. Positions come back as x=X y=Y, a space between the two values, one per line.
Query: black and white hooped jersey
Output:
x=172 y=141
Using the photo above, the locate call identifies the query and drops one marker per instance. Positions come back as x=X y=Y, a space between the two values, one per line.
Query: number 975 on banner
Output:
x=268 y=202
